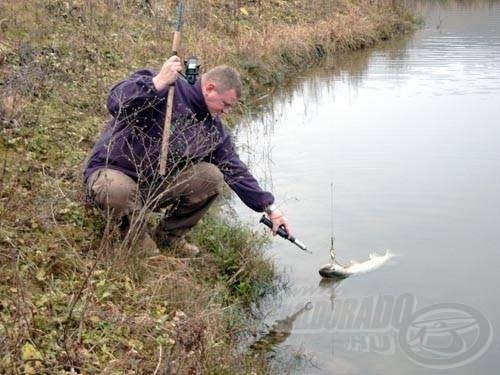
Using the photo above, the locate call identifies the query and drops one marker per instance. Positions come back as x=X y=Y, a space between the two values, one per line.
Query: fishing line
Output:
x=332 y=238
x=335 y=269
x=333 y=253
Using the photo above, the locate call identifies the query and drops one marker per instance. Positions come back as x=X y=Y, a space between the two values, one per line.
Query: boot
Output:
x=176 y=243
x=147 y=244
x=144 y=242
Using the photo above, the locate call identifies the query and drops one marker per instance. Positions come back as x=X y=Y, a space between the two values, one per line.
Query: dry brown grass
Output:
x=268 y=40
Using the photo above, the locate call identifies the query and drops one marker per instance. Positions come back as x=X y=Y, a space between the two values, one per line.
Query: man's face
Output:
x=219 y=103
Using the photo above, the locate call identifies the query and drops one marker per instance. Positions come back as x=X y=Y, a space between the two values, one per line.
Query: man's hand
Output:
x=279 y=219
x=168 y=73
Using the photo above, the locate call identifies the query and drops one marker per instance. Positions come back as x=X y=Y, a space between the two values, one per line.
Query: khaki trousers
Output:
x=188 y=195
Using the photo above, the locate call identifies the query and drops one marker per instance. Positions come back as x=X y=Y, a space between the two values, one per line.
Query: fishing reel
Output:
x=192 y=69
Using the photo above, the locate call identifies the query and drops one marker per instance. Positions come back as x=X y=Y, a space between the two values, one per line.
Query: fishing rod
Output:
x=170 y=98
x=283 y=233
x=192 y=72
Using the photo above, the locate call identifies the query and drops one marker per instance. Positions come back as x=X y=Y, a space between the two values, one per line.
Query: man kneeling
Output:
x=122 y=175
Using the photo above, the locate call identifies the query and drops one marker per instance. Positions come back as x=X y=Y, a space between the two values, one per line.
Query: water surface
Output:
x=409 y=134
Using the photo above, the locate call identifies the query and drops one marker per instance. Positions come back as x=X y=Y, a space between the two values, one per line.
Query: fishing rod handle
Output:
x=170 y=98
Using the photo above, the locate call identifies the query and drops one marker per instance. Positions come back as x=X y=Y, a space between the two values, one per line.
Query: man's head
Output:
x=221 y=88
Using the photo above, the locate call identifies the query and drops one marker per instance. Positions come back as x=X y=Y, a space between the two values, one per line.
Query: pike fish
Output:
x=335 y=270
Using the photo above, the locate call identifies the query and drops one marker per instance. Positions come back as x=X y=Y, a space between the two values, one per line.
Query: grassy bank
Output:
x=71 y=297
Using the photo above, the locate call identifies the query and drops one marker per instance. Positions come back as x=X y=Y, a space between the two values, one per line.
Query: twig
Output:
x=90 y=272
x=159 y=361
x=52 y=209
x=232 y=278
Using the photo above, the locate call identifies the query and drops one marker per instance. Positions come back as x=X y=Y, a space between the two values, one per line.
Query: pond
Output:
x=408 y=133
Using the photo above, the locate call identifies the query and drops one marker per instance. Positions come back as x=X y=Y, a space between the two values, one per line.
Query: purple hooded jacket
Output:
x=131 y=142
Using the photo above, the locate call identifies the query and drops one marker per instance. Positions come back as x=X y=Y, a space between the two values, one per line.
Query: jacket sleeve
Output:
x=135 y=97
x=239 y=178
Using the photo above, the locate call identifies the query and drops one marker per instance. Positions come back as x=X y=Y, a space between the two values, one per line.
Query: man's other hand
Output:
x=279 y=219
x=168 y=73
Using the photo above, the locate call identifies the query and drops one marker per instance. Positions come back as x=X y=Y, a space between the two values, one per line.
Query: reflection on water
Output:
x=409 y=133
x=279 y=331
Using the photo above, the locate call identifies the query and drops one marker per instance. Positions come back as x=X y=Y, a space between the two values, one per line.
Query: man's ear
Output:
x=209 y=87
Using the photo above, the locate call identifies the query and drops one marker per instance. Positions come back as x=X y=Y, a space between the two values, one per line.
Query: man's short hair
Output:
x=225 y=77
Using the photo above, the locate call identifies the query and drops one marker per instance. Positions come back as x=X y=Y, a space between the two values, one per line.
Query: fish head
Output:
x=333 y=270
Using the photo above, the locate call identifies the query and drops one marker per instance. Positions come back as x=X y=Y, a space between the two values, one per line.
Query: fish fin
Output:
x=386 y=254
